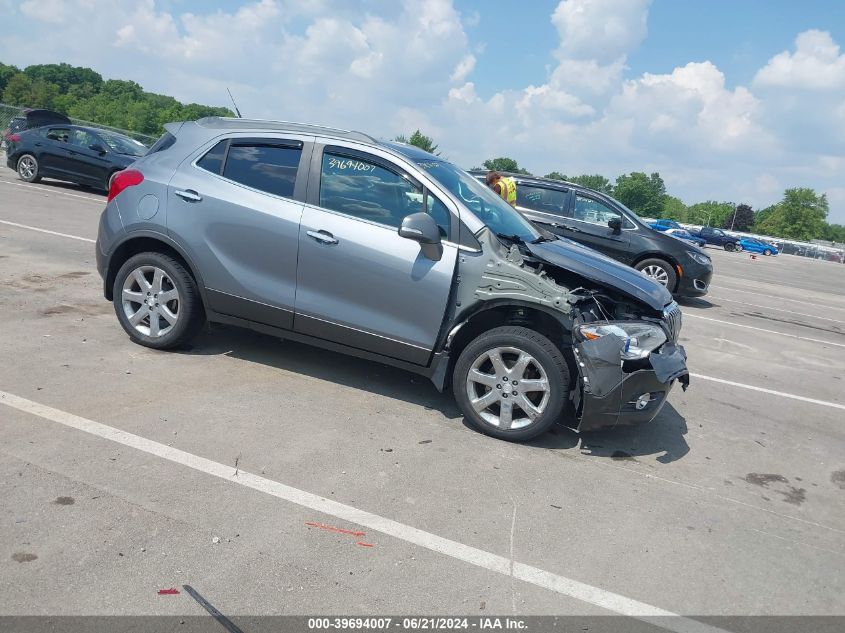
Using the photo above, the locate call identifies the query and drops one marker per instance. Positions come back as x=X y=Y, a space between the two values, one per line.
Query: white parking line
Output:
x=33 y=188
x=480 y=558
x=755 y=305
x=759 y=329
x=760 y=294
x=35 y=228
x=791 y=396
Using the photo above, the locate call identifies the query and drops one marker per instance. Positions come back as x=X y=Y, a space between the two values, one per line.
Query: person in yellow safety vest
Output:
x=502 y=185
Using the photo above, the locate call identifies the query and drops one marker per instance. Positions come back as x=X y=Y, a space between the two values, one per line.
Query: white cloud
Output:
x=393 y=67
x=464 y=68
x=600 y=30
x=814 y=65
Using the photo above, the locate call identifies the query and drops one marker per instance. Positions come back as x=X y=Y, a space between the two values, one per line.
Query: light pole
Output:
x=733 y=219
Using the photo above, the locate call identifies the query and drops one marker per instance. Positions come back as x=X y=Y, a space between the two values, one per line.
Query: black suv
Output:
x=608 y=226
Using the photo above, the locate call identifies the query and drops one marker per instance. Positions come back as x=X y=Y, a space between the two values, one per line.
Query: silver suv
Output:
x=386 y=252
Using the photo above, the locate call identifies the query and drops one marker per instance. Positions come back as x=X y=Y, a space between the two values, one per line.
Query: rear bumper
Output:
x=609 y=394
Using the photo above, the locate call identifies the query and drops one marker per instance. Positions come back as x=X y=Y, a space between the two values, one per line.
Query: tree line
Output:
x=82 y=93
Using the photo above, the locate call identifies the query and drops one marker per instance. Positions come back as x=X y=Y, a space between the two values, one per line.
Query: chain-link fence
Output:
x=8 y=112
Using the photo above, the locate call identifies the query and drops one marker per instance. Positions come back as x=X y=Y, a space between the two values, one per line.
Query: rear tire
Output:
x=157 y=301
x=730 y=247
x=27 y=168
x=505 y=361
x=660 y=270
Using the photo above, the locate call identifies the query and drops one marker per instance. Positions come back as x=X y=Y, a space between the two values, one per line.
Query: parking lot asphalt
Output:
x=731 y=502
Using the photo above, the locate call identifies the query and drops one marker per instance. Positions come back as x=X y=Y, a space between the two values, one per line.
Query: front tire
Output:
x=28 y=169
x=660 y=270
x=157 y=301
x=730 y=247
x=767 y=252
x=511 y=383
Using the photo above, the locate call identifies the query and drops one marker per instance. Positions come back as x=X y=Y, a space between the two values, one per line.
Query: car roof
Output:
x=263 y=125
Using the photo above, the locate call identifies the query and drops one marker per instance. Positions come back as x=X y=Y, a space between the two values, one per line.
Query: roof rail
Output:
x=231 y=123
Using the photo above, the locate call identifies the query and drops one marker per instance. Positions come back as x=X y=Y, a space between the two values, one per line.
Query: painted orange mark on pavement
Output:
x=168 y=592
x=362 y=544
x=332 y=528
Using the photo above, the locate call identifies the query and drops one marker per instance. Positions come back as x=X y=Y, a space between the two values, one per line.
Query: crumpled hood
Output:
x=603 y=270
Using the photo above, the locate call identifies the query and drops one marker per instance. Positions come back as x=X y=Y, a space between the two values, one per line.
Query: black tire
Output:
x=188 y=307
x=543 y=351
x=671 y=277
x=730 y=247
x=767 y=252
x=23 y=173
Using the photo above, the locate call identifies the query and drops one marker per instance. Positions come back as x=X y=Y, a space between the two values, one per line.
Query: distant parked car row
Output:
x=46 y=144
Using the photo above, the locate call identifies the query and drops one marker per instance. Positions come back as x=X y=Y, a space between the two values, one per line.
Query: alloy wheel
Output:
x=507 y=387
x=150 y=301
x=657 y=273
x=27 y=167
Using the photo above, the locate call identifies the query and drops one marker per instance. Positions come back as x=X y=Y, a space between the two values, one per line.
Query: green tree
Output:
x=6 y=73
x=18 y=90
x=43 y=94
x=63 y=75
x=505 y=164
x=644 y=194
x=741 y=219
x=674 y=209
x=710 y=213
x=596 y=182
x=801 y=215
x=418 y=139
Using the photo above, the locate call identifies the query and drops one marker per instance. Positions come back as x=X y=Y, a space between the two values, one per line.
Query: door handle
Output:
x=188 y=194
x=323 y=237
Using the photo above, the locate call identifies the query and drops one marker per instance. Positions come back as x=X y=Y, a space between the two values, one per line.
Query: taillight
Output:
x=124 y=179
x=14 y=138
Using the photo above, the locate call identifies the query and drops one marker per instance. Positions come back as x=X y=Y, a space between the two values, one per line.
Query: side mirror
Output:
x=96 y=147
x=615 y=224
x=422 y=228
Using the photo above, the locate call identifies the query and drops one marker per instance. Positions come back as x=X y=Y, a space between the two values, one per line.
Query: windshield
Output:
x=123 y=144
x=498 y=215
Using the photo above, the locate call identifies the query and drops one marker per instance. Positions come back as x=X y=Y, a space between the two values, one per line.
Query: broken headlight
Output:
x=639 y=339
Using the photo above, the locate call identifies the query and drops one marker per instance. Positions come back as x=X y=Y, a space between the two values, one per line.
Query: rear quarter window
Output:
x=164 y=142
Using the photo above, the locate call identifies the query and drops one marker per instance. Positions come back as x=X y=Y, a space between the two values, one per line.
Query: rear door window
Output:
x=267 y=166
x=61 y=134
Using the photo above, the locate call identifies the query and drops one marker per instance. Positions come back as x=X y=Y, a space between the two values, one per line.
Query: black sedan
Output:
x=82 y=155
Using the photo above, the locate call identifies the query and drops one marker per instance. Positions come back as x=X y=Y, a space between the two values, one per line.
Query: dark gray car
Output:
x=389 y=253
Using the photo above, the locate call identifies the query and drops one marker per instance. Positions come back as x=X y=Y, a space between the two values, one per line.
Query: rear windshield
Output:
x=123 y=144
x=164 y=142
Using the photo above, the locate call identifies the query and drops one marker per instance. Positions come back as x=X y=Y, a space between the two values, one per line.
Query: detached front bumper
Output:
x=611 y=392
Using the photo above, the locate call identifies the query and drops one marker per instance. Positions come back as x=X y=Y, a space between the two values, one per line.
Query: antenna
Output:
x=234 y=104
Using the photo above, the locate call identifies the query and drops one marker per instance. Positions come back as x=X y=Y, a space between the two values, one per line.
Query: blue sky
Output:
x=728 y=100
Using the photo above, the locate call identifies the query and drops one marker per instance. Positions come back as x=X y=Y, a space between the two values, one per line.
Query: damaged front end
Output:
x=626 y=368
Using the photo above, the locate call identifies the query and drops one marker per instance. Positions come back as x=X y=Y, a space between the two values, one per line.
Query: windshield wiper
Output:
x=511 y=238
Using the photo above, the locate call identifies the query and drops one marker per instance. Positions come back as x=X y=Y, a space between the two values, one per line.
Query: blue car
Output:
x=664 y=225
x=683 y=234
x=753 y=245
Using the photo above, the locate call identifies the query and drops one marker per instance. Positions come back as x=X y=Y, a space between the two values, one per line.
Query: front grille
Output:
x=672 y=319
